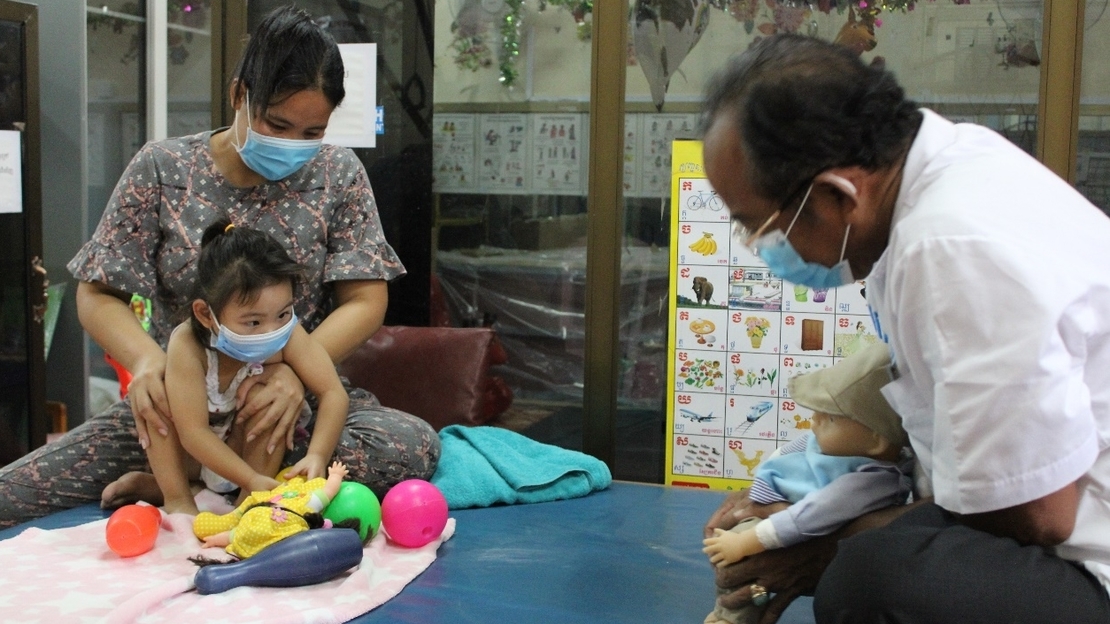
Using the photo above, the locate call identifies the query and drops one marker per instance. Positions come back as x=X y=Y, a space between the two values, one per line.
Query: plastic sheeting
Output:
x=538 y=299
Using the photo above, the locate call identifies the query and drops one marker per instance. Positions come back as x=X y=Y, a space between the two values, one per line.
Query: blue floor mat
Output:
x=631 y=553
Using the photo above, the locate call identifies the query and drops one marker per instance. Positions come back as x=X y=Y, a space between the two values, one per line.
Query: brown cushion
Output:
x=440 y=374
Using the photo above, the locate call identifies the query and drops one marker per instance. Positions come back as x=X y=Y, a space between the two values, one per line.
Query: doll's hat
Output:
x=850 y=388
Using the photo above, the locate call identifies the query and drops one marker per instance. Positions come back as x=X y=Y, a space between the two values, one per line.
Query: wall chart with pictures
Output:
x=737 y=335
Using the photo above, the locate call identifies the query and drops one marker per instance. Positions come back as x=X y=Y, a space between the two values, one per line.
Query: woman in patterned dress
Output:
x=267 y=171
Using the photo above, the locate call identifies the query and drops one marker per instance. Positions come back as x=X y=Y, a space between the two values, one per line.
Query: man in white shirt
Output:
x=989 y=277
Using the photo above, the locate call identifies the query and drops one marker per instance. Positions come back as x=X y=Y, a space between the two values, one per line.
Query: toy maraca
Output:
x=132 y=529
x=355 y=500
x=307 y=558
x=414 y=513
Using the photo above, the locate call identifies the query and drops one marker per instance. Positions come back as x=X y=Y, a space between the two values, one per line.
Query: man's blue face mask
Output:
x=271 y=157
x=774 y=248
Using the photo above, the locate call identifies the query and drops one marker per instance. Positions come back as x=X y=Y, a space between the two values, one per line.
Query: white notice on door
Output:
x=11 y=172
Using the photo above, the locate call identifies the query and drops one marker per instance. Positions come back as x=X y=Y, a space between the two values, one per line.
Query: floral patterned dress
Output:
x=148 y=241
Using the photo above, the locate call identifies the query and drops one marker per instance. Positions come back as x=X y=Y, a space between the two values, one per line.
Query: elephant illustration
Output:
x=703 y=288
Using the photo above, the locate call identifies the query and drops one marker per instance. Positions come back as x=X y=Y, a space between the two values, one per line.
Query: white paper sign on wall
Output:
x=353 y=123
x=11 y=172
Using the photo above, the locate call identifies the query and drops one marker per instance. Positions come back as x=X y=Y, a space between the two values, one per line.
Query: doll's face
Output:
x=843 y=437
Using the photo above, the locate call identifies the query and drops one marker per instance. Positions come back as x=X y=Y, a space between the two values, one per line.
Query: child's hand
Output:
x=311 y=467
x=713 y=547
x=727 y=547
x=337 y=468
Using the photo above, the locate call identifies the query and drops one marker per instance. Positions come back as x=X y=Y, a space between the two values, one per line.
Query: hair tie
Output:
x=327 y=523
x=228 y=228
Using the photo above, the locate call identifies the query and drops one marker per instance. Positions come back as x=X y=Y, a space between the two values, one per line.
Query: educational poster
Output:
x=557 y=154
x=503 y=154
x=737 y=335
x=453 y=138
x=658 y=132
x=631 y=154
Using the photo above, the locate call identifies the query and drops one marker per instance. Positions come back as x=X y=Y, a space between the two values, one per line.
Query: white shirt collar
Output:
x=935 y=134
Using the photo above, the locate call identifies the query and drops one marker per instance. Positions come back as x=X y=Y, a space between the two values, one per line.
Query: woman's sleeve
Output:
x=356 y=245
x=122 y=250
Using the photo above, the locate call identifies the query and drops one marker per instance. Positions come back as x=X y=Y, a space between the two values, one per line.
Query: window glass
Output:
x=973 y=62
x=1092 y=175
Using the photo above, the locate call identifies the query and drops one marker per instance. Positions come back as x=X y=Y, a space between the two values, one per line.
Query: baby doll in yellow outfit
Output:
x=264 y=518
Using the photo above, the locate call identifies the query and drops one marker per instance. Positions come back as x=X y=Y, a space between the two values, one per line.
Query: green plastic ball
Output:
x=355 y=500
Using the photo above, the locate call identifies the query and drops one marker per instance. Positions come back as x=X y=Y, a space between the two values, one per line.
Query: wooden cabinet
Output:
x=22 y=280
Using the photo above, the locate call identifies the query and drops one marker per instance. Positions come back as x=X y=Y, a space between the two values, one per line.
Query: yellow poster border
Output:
x=686 y=163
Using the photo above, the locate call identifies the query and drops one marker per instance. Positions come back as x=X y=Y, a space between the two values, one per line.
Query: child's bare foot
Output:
x=131 y=488
x=186 y=505
x=713 y=619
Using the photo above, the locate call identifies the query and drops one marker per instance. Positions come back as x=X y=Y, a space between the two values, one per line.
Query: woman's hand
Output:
x=262 y=483
x=147 y=396
x=311 y=466
x=274 y=405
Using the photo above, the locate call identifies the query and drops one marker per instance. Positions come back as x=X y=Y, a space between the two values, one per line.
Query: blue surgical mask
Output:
x=271 y=157
x=775 y=249
x=253 y=348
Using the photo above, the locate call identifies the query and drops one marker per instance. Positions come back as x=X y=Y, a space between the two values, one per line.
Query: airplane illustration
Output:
x=696 y=417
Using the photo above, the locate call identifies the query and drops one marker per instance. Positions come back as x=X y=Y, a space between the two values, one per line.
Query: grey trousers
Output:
x=927 y=568
x=380 y=446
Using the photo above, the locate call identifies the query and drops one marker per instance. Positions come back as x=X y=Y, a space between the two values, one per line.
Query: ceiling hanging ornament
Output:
x=475 y=39
x=509 y=28
x=857 y=34
x=580 y=10
x=663 y=33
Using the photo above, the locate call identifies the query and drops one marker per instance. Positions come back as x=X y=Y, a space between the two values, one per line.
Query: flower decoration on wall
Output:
x=661 y=32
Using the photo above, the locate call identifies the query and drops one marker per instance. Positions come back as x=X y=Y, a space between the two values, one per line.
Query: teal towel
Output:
x=481 y=466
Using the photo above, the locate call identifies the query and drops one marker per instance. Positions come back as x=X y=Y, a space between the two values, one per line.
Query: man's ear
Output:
x=842 y=179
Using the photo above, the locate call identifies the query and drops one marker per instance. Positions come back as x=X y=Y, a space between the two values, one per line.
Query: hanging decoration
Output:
x=188 y=14
x=485 y=29
x=510 y=42
x=858 y=35
x=580 y=10
x=663 y=33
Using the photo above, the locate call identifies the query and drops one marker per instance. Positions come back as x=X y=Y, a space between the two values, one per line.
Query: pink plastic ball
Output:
x=133 y=529
x=414 y=513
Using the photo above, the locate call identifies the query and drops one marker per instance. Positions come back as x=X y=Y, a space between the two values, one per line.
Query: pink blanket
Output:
x=69 y=575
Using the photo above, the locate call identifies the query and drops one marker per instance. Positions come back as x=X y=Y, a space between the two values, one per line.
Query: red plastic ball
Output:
x=132 y=529
x=414 y=513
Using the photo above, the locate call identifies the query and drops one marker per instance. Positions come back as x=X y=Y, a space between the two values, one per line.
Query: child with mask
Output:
x=241 y=317
x=853 y=461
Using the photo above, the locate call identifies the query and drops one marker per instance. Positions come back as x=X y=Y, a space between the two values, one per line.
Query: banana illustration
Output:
x=705 y=245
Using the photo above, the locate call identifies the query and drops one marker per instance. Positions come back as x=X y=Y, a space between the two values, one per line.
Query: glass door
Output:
x=1092 y=172
x=510 y=156
x=399 y=166
x=116 y=35
x=22 y=278
x=976 y=62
